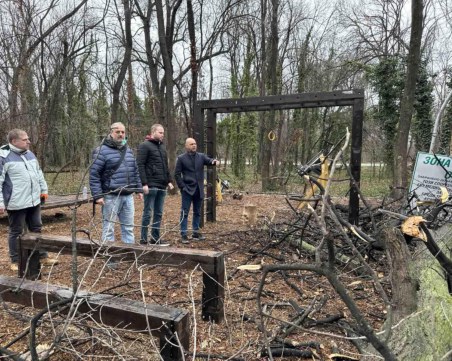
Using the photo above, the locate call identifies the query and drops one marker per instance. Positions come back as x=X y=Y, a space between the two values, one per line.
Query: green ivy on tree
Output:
x=422 y=121
x=387 y=78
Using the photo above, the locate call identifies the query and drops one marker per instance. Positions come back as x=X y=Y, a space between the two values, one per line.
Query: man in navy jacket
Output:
x=113 y=178
x=189 y=176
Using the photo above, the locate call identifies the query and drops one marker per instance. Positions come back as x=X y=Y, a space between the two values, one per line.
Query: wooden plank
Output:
x=109 y=310
x=168 y=256
x=63 y=201
x=211 y=262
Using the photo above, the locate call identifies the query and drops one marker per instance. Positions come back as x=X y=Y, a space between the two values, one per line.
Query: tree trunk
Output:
x=125 y=62
x=404 y=285
x=265 y=173
x=166 y=48
x=193 y=65
x=270 y=119
x=400 y=181
x=424 y=332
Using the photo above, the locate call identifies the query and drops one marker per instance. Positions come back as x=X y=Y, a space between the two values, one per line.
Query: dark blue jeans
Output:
x=153 y=202
x=187 y=200
x=18 y=219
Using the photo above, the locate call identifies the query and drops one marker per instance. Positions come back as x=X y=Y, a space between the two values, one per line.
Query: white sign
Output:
x=429 y=174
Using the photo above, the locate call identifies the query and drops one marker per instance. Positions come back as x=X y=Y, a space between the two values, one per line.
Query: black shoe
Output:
x=198 y=237
x=143 y=242
x=160 y=242
x=184 y=239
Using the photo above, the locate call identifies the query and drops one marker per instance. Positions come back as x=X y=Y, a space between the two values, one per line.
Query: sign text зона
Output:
x=429 y=174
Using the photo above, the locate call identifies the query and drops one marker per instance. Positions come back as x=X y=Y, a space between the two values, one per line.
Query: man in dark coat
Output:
x=152 y=161
x=189 y=176
x=113 y=178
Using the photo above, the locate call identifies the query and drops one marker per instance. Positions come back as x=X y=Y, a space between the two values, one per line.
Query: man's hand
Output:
x=100 y=201
x=216 y=162
x=170 y=186
x=145 y=189
x=44 y=197
x=140 y=195
x=2 y=210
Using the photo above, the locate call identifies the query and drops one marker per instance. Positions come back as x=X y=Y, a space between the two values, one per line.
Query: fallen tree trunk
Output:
x=423 y=330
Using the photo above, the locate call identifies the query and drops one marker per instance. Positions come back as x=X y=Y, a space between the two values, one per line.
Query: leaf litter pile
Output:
x=292 y=313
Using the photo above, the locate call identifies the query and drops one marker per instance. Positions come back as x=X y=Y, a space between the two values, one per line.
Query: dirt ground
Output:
x=239 y=336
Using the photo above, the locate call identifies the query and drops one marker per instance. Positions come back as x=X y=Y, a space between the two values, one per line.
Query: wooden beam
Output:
x=211 y=199
x=211 y=262
x=64 y=201
x=286 y=101
x=162 y=322
x=355 y=160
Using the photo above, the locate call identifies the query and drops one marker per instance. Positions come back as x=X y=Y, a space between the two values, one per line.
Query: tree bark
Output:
x=193 y=64
x=400 y=180
x=272 y=86
x=125 y=62
x=404 y=285
x=166 y=47
x=423 y=334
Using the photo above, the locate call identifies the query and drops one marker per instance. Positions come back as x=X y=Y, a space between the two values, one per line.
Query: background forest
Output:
x=70 y=68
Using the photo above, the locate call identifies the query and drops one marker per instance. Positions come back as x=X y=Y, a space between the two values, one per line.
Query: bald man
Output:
x=189 y=176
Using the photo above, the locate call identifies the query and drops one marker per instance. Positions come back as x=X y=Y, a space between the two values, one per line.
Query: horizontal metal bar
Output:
x=290 y=101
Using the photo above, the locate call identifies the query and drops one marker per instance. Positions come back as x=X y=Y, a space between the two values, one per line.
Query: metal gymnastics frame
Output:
x=205 y=112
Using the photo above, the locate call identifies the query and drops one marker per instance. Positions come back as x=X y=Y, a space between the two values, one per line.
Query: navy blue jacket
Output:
x=189 y=172
x=104 y=179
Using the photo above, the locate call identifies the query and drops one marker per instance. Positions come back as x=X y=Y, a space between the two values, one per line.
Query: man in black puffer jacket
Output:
x=113 y=178
x=152 y=163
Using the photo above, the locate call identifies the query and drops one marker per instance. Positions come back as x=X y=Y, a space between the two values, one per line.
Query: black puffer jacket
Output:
x=152 y=162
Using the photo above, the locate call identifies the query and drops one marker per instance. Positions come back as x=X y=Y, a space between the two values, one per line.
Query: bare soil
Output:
x=239 y=336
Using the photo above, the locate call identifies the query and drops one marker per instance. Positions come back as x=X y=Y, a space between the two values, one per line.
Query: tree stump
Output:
x=403 y=282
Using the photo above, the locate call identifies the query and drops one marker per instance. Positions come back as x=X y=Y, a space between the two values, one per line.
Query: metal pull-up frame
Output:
x=205 y=113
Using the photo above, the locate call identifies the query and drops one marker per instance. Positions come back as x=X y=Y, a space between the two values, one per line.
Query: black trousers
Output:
x=18 y=220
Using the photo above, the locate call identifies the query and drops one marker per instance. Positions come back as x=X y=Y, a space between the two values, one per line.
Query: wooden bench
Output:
x=211 y=262
x=162 y=322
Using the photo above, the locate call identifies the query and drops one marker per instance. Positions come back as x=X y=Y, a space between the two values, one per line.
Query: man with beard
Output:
x=113 y=179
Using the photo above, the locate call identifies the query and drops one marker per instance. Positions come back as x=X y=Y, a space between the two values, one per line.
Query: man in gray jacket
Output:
x=22 y=186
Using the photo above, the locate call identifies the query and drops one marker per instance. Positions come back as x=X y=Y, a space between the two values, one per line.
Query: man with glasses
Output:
x=152 y=163
x=113 y=179
x=22 y=186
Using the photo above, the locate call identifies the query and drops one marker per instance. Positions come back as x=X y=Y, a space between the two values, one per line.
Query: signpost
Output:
x=430 y=172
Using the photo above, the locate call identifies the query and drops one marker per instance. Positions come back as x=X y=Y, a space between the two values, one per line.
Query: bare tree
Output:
x=28 y=43
x=406 y=107
x=125 y=64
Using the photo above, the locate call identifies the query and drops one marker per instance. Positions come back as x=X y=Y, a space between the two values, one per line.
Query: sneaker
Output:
x=47 y=261
x=14 y=267
x=198 y=237
x=184 y=239
x=160 y=242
